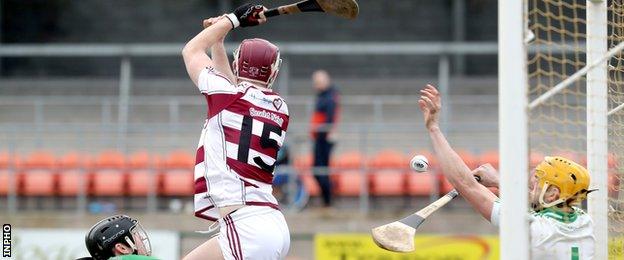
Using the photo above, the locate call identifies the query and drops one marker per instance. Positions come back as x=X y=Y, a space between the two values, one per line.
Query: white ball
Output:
x=419 y=163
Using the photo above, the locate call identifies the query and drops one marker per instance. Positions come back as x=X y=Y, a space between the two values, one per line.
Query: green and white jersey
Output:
x=558 y=235
x=133 y=257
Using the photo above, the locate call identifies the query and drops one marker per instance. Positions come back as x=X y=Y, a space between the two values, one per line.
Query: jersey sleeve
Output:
x=219 y=91
x=211 y=82
x=495 y=217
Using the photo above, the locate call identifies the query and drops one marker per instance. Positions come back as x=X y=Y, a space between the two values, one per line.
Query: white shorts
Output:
x=254 y=232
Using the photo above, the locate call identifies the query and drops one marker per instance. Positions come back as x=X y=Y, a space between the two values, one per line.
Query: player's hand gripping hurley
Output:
x=251 y=15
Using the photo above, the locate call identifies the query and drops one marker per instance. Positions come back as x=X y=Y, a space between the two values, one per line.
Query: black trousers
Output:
x=322 y=154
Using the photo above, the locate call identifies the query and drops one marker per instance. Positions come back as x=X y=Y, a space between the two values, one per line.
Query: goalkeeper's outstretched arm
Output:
x=453 y=167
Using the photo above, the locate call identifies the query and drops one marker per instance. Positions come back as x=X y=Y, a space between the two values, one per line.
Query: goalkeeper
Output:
x=557 y=186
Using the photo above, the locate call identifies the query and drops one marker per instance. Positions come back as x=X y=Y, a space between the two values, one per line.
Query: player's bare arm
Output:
x=218 y=53
x=194 y=52
x=453 y=167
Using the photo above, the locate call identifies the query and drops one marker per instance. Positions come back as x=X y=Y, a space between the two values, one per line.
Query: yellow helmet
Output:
x=570 y=178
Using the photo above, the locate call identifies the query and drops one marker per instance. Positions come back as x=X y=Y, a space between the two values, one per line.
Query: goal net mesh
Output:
x=556 y=47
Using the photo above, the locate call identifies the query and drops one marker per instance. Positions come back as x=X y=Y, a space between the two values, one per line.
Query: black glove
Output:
x=246 y=15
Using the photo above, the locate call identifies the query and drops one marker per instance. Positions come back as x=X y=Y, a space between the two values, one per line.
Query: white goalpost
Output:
x=512 y=120
x=597 y=123
x=562 y=93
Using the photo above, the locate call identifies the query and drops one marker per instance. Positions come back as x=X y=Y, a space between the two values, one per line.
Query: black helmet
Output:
x=104 y=235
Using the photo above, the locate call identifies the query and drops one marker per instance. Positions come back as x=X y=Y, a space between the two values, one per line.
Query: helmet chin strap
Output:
x=541 y=198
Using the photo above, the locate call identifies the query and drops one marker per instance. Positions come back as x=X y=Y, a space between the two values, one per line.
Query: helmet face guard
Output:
x=257 y=60
x=140 y=242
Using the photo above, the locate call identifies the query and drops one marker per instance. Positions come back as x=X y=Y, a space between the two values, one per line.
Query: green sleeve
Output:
x=133 y=257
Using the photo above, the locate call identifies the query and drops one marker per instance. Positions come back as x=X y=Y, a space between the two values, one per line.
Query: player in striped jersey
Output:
x=558 y=228
x=245 y=127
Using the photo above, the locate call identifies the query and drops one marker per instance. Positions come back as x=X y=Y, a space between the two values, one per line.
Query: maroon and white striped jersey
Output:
x=238 y=146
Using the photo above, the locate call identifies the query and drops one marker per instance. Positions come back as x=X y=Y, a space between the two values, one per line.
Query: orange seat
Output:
x=388 y=183
x=72 y=174
x=310 y=184
x=38 y=170
x=490 y=157
x=139 y=182
x=38 y=183
x=4 y=182
x=177 y=178
x=110 y=160
x=303 y=162
x=179 y=160
x=347 y=183
x=141 y=172
x=108 y=176
x=178 y=183
x=108 y=183
x=69 y=182
x=420 y=184
x=389 y=159
x=349 y=160
x=8 y=161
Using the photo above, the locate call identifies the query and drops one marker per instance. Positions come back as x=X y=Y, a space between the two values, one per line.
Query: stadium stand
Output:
x=111 y=173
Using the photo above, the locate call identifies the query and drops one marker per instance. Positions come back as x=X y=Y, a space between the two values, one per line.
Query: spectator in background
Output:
x=323 y=124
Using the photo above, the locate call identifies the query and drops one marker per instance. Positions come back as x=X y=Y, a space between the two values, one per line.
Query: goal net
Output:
x=557 y=64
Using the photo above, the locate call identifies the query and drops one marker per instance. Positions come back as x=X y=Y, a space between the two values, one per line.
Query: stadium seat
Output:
x=388 y=182
x=310 y=184
x=490 y=157
x=347 y=182
x=303 y=165
x=39 y=174
x=349 y=160
x=303 y=162
x=72 y=173
x=108 y=174
x=178 y=174
x=420 y=184
x=7 y=160
x=389 y=159
x=142 y=173
x=178 y=182
x=388 y=177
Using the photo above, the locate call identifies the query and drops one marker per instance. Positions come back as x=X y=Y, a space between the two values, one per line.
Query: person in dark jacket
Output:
x=322 y=126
